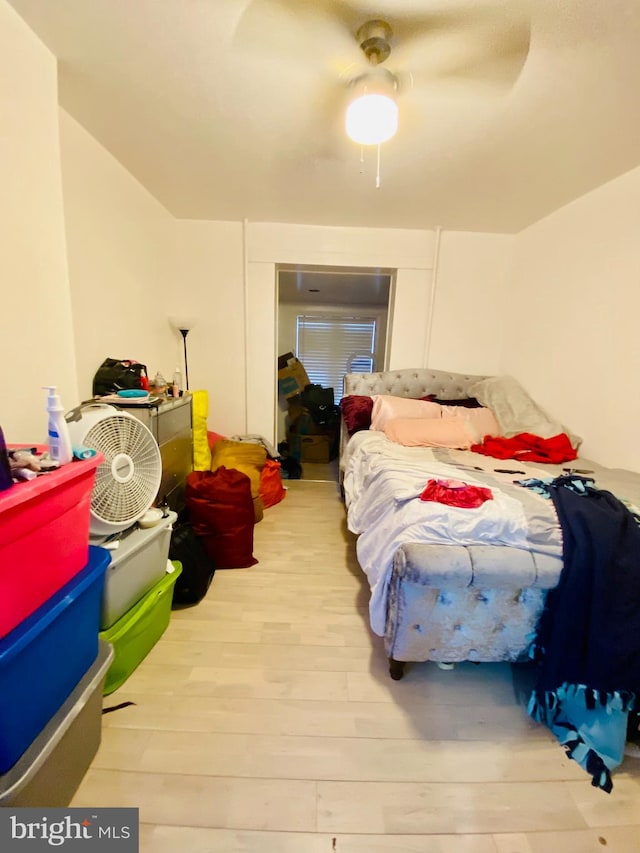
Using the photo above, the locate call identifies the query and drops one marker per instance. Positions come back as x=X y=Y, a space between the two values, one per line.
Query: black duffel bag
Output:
x=318 y=401
x=197 y=567
x=115 y=375
x=316 y=395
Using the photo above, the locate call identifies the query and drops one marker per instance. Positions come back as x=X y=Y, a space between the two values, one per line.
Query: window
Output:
x=330 y=346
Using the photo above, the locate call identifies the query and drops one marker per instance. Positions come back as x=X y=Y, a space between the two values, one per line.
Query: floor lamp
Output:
x=184 y=326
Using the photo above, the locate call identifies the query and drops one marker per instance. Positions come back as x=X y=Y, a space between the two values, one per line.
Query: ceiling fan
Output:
x=423 y=55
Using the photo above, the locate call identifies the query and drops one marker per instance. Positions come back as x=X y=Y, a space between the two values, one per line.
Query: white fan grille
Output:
x=128 y=479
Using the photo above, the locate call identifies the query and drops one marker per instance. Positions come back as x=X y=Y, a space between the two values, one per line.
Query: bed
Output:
x=450 y=585
x=485 y=559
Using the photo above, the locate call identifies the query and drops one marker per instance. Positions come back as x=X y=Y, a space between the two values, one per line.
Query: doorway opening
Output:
x=336 y=321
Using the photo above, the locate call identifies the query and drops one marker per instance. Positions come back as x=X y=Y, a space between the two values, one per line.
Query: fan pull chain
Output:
x=362 y=168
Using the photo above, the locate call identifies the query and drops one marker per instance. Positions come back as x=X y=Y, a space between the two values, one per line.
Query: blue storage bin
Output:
x=44 y=658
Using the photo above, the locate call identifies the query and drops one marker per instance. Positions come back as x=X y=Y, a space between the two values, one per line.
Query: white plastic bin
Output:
x=137 y=565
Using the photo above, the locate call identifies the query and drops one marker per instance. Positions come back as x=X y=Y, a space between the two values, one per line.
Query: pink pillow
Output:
x=479 y=421
x=430 y=432
x=356 y=411
x=386 y=408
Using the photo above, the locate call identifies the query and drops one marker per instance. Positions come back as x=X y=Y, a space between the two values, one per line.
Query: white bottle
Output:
x=59 y=439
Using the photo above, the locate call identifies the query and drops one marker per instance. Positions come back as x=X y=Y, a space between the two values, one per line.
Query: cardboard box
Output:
x=305 y=425
x=294 y=409
x=292 y=379
x=283 y=360
x=315 y=448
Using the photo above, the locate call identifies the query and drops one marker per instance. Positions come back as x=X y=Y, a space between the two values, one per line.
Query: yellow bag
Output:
x=244 y=456
x=199 y=414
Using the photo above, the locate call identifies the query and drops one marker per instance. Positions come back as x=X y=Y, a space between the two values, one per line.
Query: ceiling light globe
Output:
x=372 y=119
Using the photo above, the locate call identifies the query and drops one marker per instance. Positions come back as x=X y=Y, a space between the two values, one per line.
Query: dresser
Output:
x=170 y=423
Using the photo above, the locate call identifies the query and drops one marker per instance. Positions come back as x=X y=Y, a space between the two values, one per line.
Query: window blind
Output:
x=330 y=346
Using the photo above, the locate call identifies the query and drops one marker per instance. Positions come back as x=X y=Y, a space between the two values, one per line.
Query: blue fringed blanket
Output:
x=588 y=638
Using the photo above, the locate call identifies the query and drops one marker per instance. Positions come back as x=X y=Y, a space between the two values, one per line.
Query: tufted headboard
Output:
x=411 y=383
x=416 y=382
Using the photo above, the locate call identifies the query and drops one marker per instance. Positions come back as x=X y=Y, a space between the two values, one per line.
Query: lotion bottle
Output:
x=59 y=440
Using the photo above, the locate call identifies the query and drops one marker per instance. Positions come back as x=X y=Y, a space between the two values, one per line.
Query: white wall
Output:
x=268 y=244
x=210 y=287
x=122 y=267
x=471 y=282
x=224 y=275
x=133 y=266
x=571 y=333
x=36 y=342
x=471 y=292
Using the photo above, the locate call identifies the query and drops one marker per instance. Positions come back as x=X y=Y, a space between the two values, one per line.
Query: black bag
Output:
x=316 y=395
x=197 y=567
x=115 y=375
x=318 y=401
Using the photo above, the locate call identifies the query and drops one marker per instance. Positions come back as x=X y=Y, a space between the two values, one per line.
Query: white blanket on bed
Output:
x=383 y=482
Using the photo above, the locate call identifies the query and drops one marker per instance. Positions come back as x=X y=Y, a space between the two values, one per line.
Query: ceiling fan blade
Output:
x=485 y=48
x=315 y=35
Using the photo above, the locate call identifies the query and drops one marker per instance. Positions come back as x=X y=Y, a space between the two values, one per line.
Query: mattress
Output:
x=383 y=482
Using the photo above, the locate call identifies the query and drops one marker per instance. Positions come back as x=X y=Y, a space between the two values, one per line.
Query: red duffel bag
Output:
x=271 y=488
x=222 y=515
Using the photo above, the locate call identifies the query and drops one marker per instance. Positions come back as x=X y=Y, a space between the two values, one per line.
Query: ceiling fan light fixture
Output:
x=372 y=114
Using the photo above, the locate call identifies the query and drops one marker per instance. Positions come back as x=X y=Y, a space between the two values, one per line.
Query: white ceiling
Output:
x=233 y=109
x=334 y=286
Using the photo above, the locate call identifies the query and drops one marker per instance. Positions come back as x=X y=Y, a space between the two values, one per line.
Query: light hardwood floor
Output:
x=320 y=470
x=265 y=722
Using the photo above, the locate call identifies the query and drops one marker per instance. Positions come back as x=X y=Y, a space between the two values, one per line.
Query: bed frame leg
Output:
x=396 y=669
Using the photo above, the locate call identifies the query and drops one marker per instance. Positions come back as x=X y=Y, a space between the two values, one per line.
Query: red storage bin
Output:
x=44 y=537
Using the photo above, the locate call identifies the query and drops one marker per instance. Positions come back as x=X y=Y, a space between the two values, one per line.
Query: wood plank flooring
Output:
x=265 y=722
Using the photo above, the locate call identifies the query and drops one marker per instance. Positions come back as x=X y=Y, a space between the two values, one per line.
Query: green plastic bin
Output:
x=138 y=630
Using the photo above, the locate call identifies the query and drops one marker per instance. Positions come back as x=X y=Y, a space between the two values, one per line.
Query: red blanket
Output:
x=528 y=448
